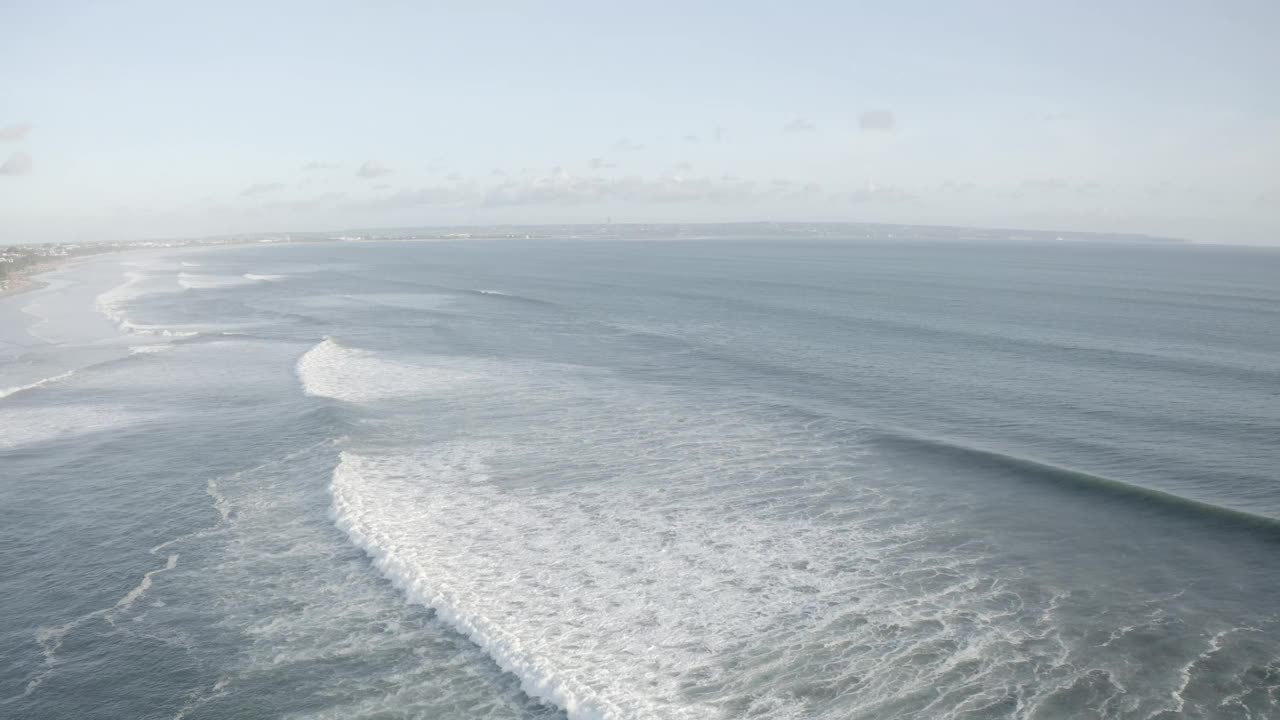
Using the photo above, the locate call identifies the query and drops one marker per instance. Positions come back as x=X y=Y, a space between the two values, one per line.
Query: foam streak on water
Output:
x=6 y=392
x=30 y=425
x=51 y=638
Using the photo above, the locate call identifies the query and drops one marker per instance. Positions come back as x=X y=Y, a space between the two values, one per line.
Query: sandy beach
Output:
x=25 y=279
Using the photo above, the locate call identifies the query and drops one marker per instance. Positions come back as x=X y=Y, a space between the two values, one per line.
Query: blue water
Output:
x=695 y=479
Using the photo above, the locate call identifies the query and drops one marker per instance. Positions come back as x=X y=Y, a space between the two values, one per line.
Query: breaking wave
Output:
x=6 y=392
x=629 y=554
x=500 y=294
x=688 y=599
x=334 y=371
x=112 y=304
x=189 y=281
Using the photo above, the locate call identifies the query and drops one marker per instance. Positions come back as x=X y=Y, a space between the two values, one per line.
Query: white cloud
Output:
x=422 y=197
x=19 y=163
x=262 y=189
x=809 y=189
x=17 y=131
x=956 y=186
x=372 y=169
x=788 y=189
x=323 y=201
x=626 y=145
x=566 y=189
x=874 y=192
x=1052 y=184
x=318 y=165
x=799 y=125
x=876 y=120
x=1056 y=184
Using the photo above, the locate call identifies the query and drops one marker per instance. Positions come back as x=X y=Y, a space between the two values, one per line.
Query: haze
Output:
x=149 y=119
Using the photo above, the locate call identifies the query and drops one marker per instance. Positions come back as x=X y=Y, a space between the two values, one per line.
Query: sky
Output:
x=133 y=120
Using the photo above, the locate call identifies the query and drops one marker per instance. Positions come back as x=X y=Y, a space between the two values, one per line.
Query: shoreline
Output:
x=24 y=280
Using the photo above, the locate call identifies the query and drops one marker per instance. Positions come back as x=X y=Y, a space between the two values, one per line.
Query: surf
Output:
x=335 y=371
x=6 y=392
x=113 y=303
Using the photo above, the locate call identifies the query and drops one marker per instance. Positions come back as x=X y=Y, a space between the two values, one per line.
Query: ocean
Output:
x=652 y=480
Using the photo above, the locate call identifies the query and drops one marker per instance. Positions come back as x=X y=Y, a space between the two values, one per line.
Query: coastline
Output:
x=25 y=279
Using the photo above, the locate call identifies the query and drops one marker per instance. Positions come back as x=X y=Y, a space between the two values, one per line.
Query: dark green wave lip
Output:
x=1073 y=479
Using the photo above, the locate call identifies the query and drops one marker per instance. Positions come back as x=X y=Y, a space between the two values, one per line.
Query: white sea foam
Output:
x=334 y=371
x=191 y=281
x=627 y=555
x=158 y=330
x=263 y=278
x=203 y=697
x=615 y=602
x=50 y=639
x=28 y=425
x=149 y=349
x=6 y=392
x=112 y=304
x=268 y=550
x=412 y=301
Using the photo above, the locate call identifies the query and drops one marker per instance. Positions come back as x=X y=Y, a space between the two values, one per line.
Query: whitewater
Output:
x=709 y=479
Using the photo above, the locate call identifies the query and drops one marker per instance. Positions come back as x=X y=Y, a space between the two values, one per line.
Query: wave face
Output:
x=1030 y=470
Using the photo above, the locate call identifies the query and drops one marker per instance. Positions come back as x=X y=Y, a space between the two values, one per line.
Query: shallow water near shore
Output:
x=696 y=479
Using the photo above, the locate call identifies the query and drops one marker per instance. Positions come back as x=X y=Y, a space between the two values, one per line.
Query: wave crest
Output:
x=189 y=281
x=112 y=305
x=335 y=371
x=6 y=392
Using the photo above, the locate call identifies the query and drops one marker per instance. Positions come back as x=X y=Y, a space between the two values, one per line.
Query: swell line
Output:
x=1079 y=480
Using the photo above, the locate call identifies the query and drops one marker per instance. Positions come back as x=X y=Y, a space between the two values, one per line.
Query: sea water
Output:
x=696 y=479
